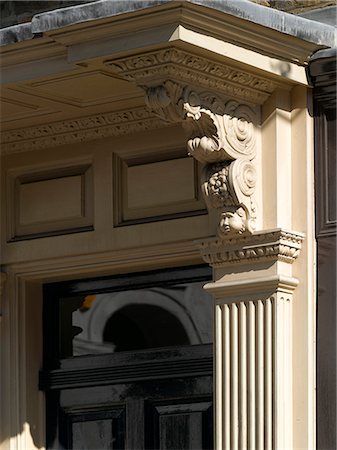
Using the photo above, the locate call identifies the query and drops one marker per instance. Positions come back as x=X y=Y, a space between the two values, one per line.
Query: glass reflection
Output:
x=142 y=319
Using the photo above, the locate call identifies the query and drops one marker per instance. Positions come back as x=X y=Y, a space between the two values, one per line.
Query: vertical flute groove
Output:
x=242 y=377
x=219 y=352
x=275 y=375
x=254 y=374
x=268 y=375
x=234 y=378
x=260 y=377
x=226 y=379
x=251 y=376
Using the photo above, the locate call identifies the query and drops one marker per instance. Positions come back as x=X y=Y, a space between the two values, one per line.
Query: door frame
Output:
x=23 y=405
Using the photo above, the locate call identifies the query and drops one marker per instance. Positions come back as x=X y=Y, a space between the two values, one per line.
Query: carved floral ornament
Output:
x=272 y=245
x=221 y=136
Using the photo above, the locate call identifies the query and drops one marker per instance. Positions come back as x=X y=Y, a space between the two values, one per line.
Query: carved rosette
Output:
x=221 y=136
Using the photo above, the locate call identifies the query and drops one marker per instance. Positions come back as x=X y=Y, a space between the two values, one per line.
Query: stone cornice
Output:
x=150 y=68
x=270 y=245
x=79 y=130
x=251 y=26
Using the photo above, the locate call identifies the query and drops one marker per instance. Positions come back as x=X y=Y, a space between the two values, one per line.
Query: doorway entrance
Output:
x=128 y=362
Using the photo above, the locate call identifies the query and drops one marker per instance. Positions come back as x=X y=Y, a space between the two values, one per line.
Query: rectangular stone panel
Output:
x=153 y=190
x=161 y=183
x=50 y=202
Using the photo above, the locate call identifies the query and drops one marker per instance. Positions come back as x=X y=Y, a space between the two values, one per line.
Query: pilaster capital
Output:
x=259 y=247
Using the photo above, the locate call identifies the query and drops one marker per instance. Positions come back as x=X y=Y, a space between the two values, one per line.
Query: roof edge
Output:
x=295 y=26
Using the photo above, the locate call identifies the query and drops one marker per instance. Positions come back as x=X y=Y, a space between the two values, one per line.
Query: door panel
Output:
x=171 y=414
x=95 y=429
x=184 y=426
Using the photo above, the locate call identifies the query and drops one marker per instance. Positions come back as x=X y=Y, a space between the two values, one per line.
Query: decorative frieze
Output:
x=79 y=130
x=273 y=245
x=187 y=68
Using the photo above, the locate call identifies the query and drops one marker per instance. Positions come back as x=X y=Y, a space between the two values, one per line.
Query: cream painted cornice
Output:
x=151 y=68
x=34 y=49
x=237 y=25
x=155 y=26
x=79 y=130
x=147 y=69
x=269 y=245
x=175 y=41
x=127 y=259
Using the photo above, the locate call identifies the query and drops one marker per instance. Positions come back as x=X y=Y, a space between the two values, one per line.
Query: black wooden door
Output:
x=157 y=398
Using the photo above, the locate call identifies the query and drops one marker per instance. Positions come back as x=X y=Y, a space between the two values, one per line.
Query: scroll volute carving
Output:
x=221 y=135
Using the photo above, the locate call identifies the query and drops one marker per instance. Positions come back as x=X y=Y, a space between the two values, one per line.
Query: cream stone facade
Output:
x=167 y=136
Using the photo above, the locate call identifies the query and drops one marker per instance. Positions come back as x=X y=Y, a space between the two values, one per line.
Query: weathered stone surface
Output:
x=16 y=12
x=246 y=9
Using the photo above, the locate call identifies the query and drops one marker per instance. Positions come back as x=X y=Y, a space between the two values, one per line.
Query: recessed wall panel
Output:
x=49 y=202
x=161 y=183
x=150 y=190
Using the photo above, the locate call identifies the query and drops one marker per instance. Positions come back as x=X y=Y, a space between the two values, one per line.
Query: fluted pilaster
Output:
x=253 y=339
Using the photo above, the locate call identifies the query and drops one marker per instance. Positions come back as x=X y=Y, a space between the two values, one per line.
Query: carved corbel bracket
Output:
x=183 y=88
x=221 y=136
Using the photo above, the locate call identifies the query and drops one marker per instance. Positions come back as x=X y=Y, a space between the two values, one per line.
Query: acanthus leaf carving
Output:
x=83 y=129
x=152 y=67
x=166 y=101
x=221 y=136
x=182 y=87
x=270 y=245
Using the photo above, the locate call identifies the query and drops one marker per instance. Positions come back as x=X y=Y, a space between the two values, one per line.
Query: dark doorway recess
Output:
x=128 y=362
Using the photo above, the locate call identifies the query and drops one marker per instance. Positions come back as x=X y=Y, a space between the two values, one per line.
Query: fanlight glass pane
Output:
x=136 y=319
